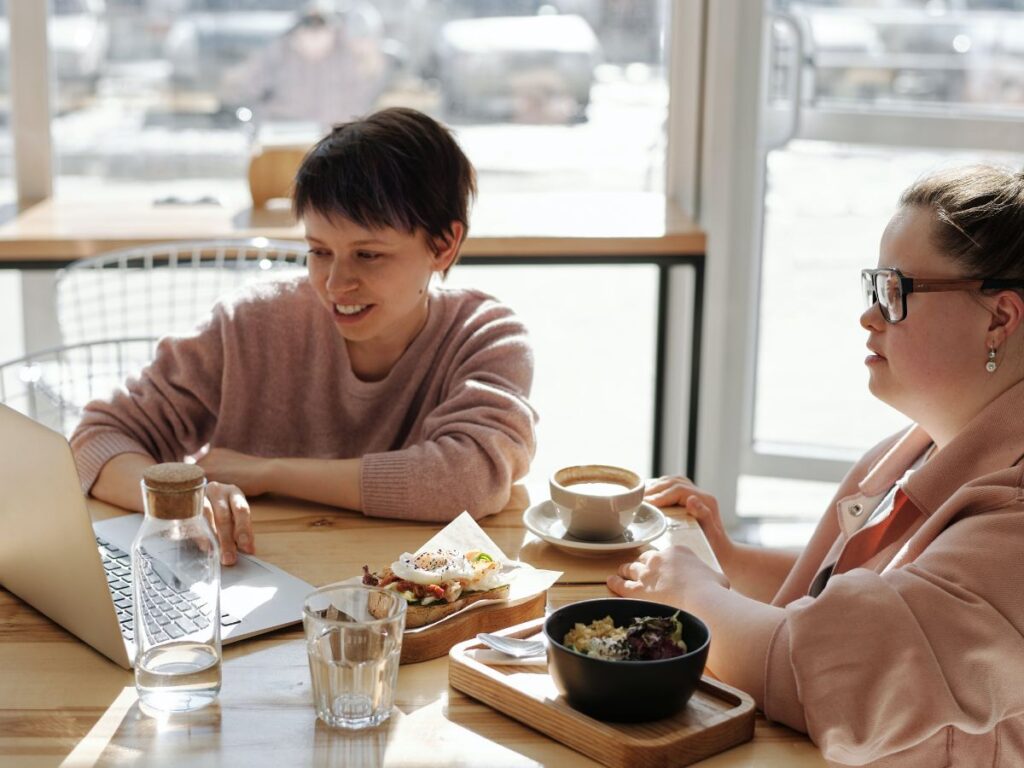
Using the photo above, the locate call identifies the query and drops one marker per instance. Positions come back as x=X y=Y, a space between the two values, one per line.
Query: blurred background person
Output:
x=324 y=69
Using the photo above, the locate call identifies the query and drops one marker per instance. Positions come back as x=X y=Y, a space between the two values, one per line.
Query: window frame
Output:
x=30 y=87
x=33 y=92
x=737 y=126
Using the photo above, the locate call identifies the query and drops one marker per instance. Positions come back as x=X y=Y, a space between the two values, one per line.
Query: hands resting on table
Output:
x=233 y=476
x=662 y=576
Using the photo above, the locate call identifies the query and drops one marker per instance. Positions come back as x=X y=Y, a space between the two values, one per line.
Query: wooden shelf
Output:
x=55 y=232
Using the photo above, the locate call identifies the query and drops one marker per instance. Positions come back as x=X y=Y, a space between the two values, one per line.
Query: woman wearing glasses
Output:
x=897 y=636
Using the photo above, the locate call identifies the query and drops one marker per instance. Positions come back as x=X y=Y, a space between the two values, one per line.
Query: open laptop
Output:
x=54 y=558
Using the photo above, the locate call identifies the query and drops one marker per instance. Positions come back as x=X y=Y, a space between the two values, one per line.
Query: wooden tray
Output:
x=436 y=641
x=716 y=718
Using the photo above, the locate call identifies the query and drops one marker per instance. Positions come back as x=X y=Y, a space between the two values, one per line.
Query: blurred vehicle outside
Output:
x=924 y=53
x=523 y=69
x=192 y=88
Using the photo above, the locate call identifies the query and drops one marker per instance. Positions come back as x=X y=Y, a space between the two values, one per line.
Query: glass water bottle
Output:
x=176 y=591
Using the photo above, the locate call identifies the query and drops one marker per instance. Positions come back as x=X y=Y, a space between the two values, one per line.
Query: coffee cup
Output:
x=594 y=501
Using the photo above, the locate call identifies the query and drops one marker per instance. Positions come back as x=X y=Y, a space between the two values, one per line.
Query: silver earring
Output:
x=991 y=366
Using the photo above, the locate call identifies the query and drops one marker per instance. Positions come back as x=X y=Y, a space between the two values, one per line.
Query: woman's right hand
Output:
x=678 y=491
x=225 y=507
x=227 y=511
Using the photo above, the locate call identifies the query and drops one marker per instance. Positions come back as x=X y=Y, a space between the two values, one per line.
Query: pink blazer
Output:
x=916 y=659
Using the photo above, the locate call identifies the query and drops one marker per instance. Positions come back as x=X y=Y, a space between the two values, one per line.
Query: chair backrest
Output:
x=165 y=288
x=54 y=385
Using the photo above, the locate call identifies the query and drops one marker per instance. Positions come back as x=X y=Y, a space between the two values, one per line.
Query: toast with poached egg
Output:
x=440 y=582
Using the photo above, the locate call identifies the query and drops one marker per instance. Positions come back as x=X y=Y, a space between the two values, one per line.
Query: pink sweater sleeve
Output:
x=168 y=412
x=880 y=665
x=477 y=442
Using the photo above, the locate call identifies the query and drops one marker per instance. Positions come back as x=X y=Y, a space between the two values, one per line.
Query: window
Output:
x=861 y=99
x=10 y=282
x=594 y=358
x=167 y=98
x=944 y=56
x=7 y=191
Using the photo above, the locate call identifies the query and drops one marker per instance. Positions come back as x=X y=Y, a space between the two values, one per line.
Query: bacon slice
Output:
x=368 y=578
x=448 y=591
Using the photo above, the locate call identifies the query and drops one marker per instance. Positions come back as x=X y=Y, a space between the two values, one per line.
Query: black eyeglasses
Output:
x=889 y=288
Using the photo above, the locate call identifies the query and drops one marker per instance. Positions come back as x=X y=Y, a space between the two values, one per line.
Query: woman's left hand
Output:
x=666 y=576
x=247 y=472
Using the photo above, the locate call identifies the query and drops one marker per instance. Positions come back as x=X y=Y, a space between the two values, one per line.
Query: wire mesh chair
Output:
x=54 y=385
x=165 y=288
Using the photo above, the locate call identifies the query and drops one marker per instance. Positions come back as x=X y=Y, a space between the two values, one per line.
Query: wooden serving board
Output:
x=436 y=641
x=716 y=718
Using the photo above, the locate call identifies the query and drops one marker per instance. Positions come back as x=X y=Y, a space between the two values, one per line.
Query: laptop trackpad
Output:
x=246 y=569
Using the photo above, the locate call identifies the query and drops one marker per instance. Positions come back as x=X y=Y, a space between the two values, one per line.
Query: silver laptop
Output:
x=53 y=557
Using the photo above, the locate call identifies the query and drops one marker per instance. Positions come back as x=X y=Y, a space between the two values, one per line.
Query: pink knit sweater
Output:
x=449 y=429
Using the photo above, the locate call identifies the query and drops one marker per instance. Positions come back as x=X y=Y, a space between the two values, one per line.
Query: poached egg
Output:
x=476 y=569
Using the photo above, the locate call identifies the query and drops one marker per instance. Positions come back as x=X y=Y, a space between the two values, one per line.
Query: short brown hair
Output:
x=396 y=168
x=979 y=217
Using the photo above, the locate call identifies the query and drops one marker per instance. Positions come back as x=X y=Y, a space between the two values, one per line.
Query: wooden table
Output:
x=61 y=703
x=55 y=232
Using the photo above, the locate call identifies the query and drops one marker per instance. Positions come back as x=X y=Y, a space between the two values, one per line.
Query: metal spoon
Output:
x=512 y=646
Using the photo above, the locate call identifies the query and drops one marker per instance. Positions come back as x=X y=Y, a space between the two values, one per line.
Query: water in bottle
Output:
x=176 y=591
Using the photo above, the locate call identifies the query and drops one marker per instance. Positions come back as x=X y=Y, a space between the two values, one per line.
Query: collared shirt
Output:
x=864 y=513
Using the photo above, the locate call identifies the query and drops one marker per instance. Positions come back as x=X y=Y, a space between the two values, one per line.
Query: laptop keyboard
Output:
x=174 y=612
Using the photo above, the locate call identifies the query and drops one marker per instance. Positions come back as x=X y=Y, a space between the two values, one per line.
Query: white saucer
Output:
x=542 y=521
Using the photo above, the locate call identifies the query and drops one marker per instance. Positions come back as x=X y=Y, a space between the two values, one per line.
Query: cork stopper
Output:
x=173 y=491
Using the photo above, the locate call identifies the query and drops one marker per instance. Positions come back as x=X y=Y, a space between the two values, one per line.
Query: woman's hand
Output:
x=248 y=473
x=677 y=491
x=228 y=513
x=668 y=576
x=231 y=477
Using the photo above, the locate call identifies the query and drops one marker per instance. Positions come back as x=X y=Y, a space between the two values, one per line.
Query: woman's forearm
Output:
x=327 y=481
x=118 y=480
x=741 y=630
x=756 y=572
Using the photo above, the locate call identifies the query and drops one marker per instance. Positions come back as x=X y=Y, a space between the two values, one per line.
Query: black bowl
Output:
x=625 y=691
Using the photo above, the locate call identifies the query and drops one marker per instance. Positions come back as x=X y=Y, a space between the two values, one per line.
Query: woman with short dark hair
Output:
x=361 y=385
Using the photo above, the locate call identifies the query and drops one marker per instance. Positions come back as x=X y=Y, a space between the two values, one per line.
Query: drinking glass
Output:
x=354 y=641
